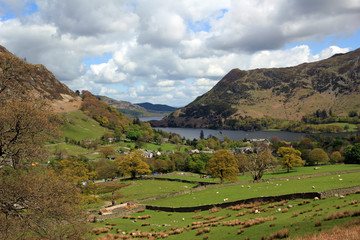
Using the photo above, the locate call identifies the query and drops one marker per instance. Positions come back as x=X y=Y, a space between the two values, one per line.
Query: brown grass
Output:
x=280 y=234
x=342 y=214
x=349 y=231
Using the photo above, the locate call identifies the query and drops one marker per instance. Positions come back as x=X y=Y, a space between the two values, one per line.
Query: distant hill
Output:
x=129 y=109
x=283 y=93
x=157 y=107
x=140 y=109
x=34 y=80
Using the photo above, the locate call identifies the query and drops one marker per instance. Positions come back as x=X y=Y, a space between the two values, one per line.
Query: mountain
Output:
x=139 y=109
x=129 y=109
x=282 y=93
x=157 y=107
x=34 y=80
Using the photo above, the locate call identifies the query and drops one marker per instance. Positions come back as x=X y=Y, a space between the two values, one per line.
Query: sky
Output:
x=170 y=52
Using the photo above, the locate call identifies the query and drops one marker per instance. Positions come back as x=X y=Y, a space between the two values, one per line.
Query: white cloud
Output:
x=153 y=47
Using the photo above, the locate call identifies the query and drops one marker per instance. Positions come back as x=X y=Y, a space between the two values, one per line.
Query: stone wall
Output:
x=309 y=195
x=119 y=213
x=340 y=191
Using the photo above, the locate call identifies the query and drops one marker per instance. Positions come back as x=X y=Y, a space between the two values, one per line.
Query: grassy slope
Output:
x=271 y=174
x=78 y=126
x=307 y=215
x=236 y=192
x=147 y=188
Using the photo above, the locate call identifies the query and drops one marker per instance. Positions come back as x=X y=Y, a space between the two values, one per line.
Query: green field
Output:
x=352 y=127
x=278 y=173
x=140 y=189
x=212 y=195
x=78 y=126
x=302 y=218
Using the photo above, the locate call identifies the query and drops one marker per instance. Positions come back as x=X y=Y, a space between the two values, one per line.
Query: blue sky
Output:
x=172 y=51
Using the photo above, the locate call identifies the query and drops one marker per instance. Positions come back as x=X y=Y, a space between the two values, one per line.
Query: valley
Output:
x=73 y=166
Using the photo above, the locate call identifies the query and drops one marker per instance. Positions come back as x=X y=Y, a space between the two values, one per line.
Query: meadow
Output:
x=296 y=217
x=79 y=126
x=212 y=195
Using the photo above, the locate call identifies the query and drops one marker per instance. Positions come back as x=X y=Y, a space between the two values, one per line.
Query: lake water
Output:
x=144 y=119
x=191 y=133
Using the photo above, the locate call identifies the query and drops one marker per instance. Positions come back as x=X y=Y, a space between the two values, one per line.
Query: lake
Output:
x=191 y=133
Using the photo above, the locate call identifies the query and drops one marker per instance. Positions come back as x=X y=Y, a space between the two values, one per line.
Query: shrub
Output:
x=280 y=234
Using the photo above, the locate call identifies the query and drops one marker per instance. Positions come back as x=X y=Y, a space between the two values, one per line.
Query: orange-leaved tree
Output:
x=290 y=157
x=223 y=165
x=132 y=164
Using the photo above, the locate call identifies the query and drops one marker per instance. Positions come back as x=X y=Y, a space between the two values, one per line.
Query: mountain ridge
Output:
x=138 y=109
x=36 y=81
x=285 y=93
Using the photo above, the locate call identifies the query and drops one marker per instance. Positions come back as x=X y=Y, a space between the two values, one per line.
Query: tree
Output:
x=107 y=151
x=290 y=158
x=318 y=155
x=105 y=168
x=256 y=163
x=336 y=157
x=74 y=171
x=133 y=164
x=352 y=154
x=201 y=134
x=223 y=165
x=39 y=205
x=25 y=125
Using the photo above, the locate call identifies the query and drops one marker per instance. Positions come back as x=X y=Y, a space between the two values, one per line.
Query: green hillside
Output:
x=79 y=126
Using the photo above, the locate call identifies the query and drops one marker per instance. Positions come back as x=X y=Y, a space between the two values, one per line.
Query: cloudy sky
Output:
x=170 y=52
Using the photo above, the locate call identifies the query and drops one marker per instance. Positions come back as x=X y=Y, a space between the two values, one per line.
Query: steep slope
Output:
x=21 y=78
x=285 y=93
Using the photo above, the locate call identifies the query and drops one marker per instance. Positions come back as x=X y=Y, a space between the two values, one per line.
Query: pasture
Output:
x=298 y=217
x=217 y=194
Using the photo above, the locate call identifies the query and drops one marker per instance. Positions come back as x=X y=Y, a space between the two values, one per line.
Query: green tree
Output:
x=133 y=164
x=352 y=154
x=133 y=134
x=105 y=168
x=223 y=165
x=201 y=134
x=289 y=158
x=318 y=155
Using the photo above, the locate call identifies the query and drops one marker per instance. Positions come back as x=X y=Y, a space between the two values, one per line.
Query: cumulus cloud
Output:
x=170 y=51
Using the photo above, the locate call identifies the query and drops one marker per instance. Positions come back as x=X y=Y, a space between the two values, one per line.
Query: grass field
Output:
x=235 y=192
x=140 y=189
x=279 y=173
x=70 y=149
x=300 y=217
x=78 y=126
x=352 y=127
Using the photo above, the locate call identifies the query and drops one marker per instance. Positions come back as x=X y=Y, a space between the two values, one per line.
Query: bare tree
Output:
x=256 y=163
x=34 y=205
